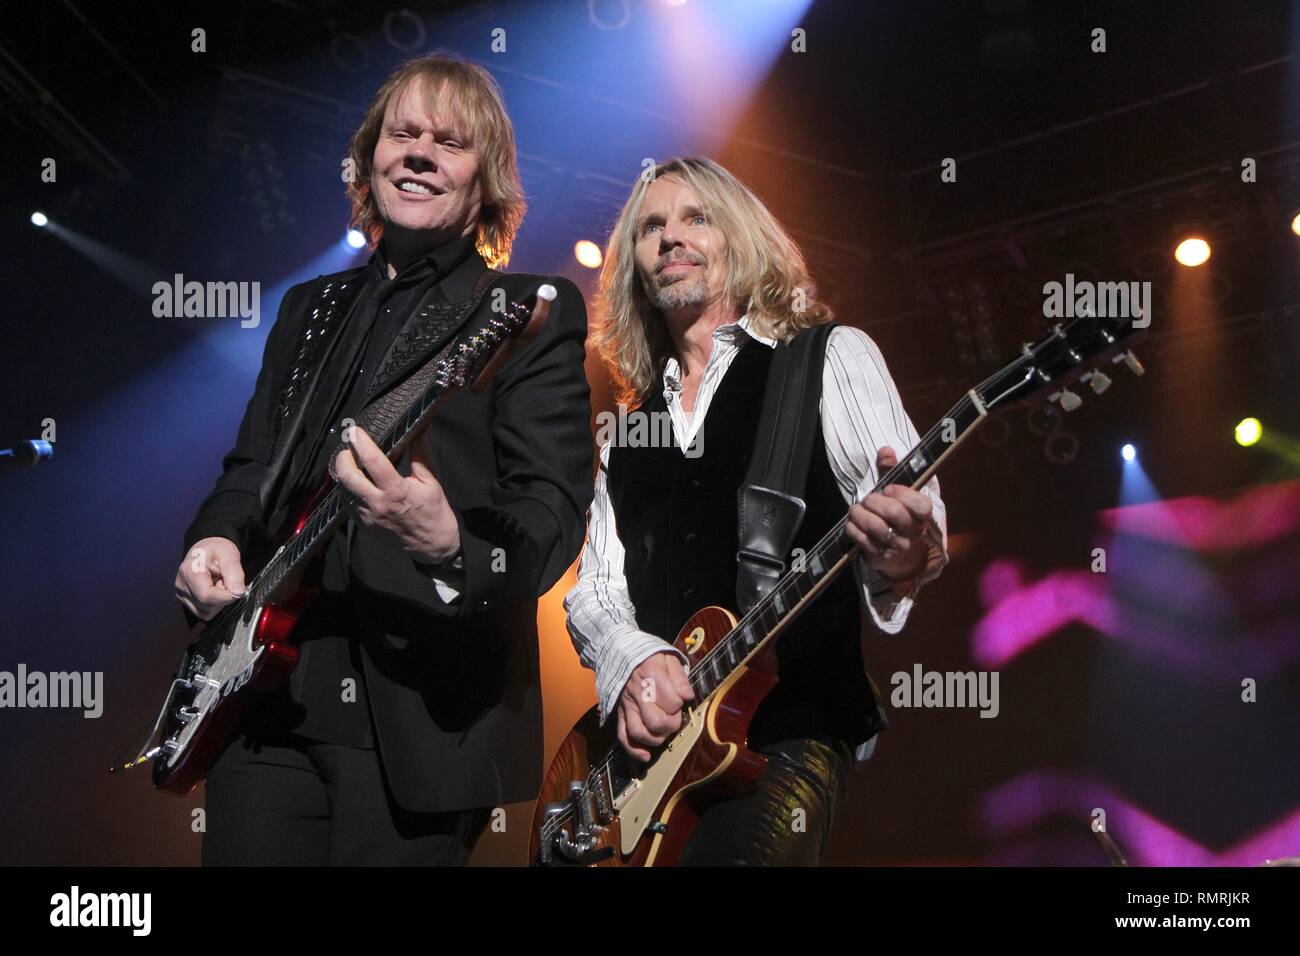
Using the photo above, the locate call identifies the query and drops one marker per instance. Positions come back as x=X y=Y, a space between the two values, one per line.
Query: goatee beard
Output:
x=680 y=294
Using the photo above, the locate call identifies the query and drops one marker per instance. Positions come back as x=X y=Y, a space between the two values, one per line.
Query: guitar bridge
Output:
x=576 y=848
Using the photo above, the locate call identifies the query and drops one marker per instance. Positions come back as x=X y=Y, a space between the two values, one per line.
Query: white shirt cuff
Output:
x=449 y=580
x=624 y=653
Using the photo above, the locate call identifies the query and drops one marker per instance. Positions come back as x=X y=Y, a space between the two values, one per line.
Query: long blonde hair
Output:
x=765 y=276
x=473 y=96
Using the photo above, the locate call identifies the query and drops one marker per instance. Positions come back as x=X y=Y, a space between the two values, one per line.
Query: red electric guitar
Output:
x=248 y=645
x=599 y=807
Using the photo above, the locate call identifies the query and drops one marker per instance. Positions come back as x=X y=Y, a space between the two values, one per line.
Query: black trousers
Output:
x=298 y=802
x=786 y=819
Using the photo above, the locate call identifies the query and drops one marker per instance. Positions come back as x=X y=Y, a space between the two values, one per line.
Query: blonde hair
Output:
x=473 y=96
x=765 y=276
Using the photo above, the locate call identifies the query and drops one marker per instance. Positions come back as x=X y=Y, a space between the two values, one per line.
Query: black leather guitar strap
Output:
x=770 y=502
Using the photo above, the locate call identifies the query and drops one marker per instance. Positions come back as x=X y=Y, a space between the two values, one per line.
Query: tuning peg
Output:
x=1069 y=401
x=1098 y=380
x=1131 y=360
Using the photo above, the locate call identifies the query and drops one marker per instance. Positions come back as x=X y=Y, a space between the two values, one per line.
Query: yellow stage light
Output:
x=1192 y=252
x=587 y=253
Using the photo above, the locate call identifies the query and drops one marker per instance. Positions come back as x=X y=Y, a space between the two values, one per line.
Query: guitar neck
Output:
x=813 y=572
x=316 y=529
x=1058 y=360
x=459 y=365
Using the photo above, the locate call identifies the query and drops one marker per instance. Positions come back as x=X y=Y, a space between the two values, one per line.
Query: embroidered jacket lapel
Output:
x=440 y=316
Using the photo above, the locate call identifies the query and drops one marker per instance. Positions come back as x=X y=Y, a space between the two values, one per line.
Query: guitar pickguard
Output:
x=637 y=804
x=228 y=674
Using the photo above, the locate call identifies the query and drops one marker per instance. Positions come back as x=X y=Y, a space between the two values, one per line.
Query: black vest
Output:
x=676 y=518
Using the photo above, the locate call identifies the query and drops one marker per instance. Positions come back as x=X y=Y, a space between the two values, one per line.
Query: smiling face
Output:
x=425 y=173
x=680 y=254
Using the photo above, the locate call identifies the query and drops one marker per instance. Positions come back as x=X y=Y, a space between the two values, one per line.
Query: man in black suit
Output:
x=415 y=706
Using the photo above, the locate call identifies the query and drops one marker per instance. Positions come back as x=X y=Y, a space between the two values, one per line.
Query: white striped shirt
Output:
x=860 y=412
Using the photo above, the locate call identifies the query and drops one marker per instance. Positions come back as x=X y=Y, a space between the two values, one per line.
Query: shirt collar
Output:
x=744 y=323
x=731 y=332
x=435 y=263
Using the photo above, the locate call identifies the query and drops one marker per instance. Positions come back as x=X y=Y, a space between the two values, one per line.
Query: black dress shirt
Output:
x=451 y=682
x=316 y=703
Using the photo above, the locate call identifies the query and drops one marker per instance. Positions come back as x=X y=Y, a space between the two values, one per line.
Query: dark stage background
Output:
x=1120 y=690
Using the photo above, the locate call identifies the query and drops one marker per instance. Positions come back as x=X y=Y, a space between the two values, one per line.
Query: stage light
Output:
x=1061 y=448
x=39 y=219
x=1248 y=431
x=356 y=239
x=587 y=253
x=349 y=53
x=1192 y=252
x=1295 y=224
x=609 y=14
x=404 y=30
x=1129 y=452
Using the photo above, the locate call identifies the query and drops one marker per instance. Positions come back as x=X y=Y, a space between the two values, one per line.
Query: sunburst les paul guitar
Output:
x=600 y=807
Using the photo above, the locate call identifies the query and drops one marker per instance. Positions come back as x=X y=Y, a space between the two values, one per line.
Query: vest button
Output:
x=688 y=537
x=687 y=592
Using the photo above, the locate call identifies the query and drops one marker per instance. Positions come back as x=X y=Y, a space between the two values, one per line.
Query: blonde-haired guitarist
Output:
x=700 y=283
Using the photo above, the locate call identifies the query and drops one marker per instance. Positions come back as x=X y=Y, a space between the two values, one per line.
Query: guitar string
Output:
x=788 y=583
x=273 y=567
x=787 y=586
x=833 y=537
x=390 y=440
x=220 y=630
x=618 y=755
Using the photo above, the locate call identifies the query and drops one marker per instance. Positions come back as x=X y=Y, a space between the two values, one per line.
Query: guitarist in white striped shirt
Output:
x=700 y=282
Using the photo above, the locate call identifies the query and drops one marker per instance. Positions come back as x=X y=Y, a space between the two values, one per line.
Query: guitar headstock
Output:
x=1076 y=351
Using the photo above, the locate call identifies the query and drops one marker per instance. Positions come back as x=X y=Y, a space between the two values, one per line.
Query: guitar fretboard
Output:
x=1056 y=360
x=812 y=572
x=326 y=515
x=808 y=575
x=462 y=363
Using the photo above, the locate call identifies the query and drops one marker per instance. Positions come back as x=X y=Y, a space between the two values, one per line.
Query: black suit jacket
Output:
x=453 y=688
